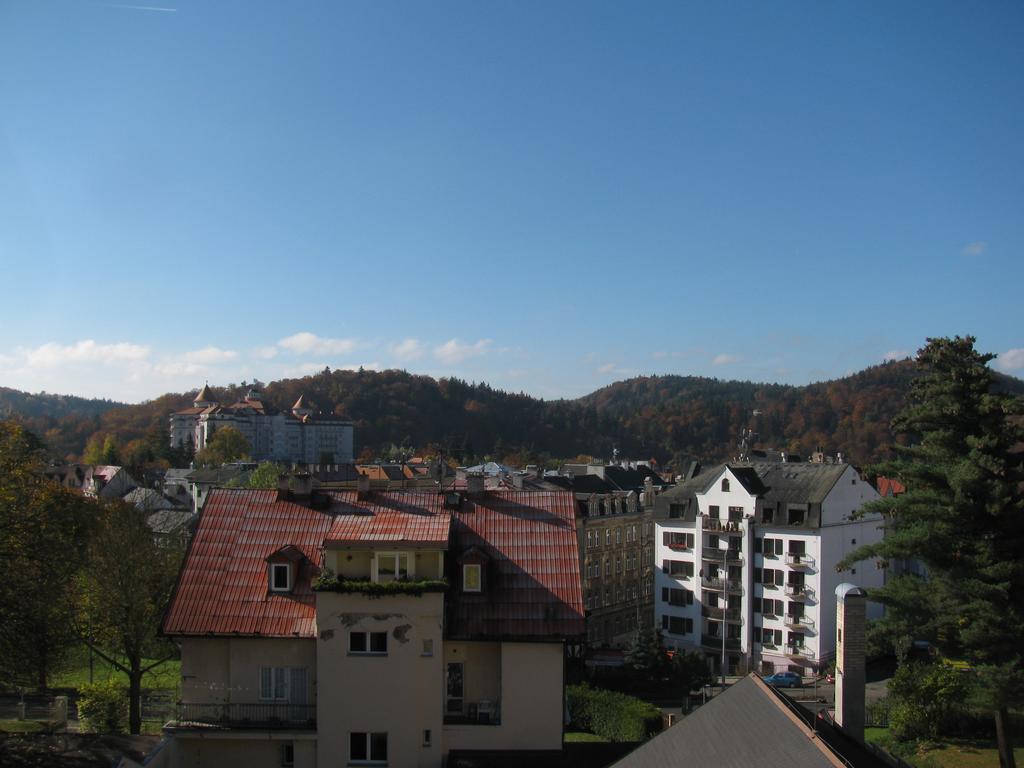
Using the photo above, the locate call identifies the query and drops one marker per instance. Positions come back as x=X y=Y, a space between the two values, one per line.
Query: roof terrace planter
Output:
x=376 y=589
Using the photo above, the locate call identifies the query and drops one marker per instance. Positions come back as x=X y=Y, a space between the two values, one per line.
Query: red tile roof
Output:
x=889 y=487
x=532 y=587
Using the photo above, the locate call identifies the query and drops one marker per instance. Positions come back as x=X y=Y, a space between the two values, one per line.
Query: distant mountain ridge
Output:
x=669 y=418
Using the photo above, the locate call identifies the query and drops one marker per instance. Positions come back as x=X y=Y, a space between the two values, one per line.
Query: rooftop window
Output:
x=280 y=577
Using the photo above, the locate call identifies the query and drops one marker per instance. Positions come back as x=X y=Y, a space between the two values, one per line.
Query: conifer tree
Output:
x=962 y=518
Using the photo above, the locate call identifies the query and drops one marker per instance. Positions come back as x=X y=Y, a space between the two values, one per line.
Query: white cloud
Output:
x=725 y=359
x=407 y=349
x=374 y=366
x=265 y=353
x=305 y=342
x=455 y=351
x=1011 y=360
x=974 y=249
x=209 y=355
x=51 y=355
x=607 y=368
x=896 y=354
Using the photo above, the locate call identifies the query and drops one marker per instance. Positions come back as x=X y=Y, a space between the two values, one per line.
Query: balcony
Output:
x=679 y=546
x=799 y=560
x=732 y=556
x=799 y=652
x=715 y=642
x=798 y=622
x=263 y=716
x=722 y=585
x=714 y=612
x=799 y=592
x=482 y=712
x=715 y=525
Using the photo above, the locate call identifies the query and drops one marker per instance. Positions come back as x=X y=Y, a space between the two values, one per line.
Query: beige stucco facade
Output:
x=227 y=669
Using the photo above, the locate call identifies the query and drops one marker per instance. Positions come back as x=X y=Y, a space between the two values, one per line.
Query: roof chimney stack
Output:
x=851 y=621
x=363 y=486
x=474 y=486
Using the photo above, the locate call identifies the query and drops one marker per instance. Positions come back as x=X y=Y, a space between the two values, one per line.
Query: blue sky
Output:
x=547 y=196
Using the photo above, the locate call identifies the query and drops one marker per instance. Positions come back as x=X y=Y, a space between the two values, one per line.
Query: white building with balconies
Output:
x=747 y=556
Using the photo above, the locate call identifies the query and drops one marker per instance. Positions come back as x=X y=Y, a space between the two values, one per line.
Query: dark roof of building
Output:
x=803 y=483
x=580 y=483
x=532 y=588
x=627 y=479
x=532 y=592
x=748 y=478
x=746 y=725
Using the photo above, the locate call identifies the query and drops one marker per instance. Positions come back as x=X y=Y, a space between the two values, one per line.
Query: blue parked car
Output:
x=785 y=680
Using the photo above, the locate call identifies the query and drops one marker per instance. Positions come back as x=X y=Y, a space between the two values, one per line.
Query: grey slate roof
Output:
x=744 y=727
x=798 y=483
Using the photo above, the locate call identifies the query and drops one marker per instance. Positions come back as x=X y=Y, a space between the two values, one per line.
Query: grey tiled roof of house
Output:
x=745 y=726
x=798 y=483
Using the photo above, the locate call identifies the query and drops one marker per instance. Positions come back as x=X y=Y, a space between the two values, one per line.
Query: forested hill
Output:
x=665 y=417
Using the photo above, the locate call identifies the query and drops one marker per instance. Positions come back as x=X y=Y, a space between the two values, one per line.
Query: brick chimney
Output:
x=851 y=621
x=474 y=486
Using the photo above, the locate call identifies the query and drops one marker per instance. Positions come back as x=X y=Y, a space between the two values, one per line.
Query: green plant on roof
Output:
x=328 y=581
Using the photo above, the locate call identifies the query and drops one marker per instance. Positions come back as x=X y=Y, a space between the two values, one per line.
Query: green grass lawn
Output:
x=76 y=673
x=21 y=726
x=952 y=753
x=583 y=736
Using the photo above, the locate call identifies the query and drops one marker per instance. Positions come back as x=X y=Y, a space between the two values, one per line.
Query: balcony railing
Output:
x=475 y=713
x=732 y=556
x=722 y=585
x=798 y=621
x=799 y=560
x=715 y=612
x=799 y=652
x=263 y=716
x=715 y=641
x=799 y=591
x=721 y=526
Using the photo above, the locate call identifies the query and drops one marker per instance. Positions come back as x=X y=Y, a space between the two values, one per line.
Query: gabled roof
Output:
x=205 y=395
x=887 y=486
x=533 y=593
x=746 y=725
x=798 y=483
x=533 y=588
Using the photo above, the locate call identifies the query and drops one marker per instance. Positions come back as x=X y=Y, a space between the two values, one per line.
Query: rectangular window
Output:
x=675 y=510
x=713 y=511
x=370 y=643
x=368 y=747
x=287 y=755
x=795 y=515
x=426 y=737
x=677 y=625
x=735 y=514
x=428 y=647
x=392 y=566
x=677 y=596
x=280 y=577
x=471 y=577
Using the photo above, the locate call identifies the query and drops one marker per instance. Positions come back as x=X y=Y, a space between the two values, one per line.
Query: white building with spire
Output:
x=297 y=435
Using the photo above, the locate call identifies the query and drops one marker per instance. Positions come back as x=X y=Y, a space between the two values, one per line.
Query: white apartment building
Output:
x=297 y=435
x=747 y=554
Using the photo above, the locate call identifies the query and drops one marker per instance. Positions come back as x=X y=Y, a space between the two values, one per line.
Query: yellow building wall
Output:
x=399 y=693
x=531 y=702
x=215 y=670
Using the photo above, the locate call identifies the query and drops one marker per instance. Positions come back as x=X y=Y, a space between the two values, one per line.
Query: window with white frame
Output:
x=280 y=577
x=608 y=537
x=283 y=684
x=368 y=643
x=368 y=748
x=392 y=565
x=471 y=581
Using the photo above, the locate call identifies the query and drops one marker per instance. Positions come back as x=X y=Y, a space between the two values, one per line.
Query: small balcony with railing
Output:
x=715 y=642
x=798 y=622
x=799 y=592
x=718 y=584
x=800 y=652
x=799 y=560
x=257 y=716
x=734 y=615
x=717 y=525
x=730 y=556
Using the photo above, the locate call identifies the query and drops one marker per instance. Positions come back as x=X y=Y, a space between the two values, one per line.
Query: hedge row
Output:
x=613 y=715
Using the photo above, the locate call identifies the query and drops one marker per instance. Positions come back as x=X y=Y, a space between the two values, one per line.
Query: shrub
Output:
x=103 y=707
x=927 y=700
x=614 y=716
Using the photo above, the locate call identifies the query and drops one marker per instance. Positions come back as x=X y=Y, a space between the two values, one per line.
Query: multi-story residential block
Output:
x=359 y=627
x=747 y=556
x=299 y=435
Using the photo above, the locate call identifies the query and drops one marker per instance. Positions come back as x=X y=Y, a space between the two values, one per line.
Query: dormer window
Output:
x=392 y=566
x=471 y=577
x=280 y=577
